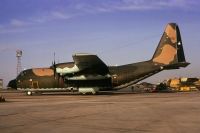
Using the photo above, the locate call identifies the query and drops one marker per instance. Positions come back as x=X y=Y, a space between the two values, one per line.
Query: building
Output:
x=1 y=83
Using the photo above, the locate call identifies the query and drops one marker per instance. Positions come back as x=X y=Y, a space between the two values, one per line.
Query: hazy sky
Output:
x=118 y=31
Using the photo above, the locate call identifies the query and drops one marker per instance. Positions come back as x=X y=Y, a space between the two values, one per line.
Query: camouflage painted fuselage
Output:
x=41 y=77
x=45 y=77
x=37 y=78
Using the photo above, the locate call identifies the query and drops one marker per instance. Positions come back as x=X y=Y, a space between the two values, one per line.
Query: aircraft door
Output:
x=114 y=79
x=35 y=84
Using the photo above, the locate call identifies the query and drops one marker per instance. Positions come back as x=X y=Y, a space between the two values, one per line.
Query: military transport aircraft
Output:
x=89 y=74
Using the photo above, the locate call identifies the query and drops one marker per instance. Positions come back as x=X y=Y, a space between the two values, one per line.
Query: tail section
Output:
x=170 y=52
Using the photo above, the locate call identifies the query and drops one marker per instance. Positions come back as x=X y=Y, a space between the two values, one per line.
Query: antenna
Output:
x=54 y=57
x=19 y=66
x=54 y=65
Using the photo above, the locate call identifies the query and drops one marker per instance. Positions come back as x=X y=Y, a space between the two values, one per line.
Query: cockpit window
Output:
x=22 y=73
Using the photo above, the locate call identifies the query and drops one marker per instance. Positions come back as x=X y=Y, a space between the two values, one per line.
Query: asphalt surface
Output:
x=106 y=113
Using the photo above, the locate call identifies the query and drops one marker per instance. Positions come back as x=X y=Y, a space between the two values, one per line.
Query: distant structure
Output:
x=184 y=84
x=19 y=66
x=1 y=84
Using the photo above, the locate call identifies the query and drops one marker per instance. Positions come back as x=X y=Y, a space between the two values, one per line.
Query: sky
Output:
x=118 y=31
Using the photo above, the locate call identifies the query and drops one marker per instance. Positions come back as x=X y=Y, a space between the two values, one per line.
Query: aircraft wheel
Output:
x=71 y=89
x=29 y=93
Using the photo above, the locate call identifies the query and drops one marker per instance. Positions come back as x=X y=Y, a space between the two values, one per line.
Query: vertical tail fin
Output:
x=170 y=49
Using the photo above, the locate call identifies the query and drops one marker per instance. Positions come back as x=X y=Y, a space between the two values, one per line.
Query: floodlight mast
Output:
x=19 y=66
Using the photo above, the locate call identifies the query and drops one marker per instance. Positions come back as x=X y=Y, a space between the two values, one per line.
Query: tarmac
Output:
x=120 y=112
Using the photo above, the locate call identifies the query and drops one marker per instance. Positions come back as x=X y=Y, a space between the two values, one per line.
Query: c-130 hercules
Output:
x=89 y=74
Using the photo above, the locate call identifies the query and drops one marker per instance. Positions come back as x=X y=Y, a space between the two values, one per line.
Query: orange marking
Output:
x=43 y=71
x=167 y=55
x=171 y=33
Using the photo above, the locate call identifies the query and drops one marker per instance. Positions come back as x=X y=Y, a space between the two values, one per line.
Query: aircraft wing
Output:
x=90 y=63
